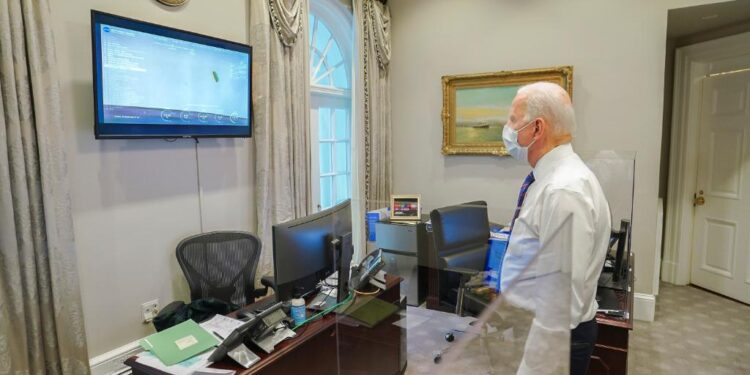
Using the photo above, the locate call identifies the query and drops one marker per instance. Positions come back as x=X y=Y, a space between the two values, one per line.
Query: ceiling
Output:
x=683 y=22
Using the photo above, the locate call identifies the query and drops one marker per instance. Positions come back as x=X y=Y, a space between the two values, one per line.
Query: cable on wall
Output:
x=200 y=187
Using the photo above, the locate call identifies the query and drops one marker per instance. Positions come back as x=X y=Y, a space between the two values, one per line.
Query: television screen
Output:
x=152 y=81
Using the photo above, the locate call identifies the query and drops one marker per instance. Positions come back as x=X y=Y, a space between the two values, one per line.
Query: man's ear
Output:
x=540 y=126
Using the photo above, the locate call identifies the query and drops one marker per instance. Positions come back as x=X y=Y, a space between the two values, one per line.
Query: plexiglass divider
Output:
x=408 y=322
x=615 y=171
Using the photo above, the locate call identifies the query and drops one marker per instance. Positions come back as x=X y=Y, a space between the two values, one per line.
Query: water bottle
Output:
x=298 y=310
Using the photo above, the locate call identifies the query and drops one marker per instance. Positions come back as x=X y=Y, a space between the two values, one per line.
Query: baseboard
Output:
x=645 y=307
x=111 y=362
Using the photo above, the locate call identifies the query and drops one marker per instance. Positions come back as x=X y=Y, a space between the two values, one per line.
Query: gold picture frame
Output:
x=484 y=101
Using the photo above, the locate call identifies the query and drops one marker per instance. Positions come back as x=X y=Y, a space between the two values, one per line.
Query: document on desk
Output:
x=279 y=334
x=222 y=325
x=190 y=366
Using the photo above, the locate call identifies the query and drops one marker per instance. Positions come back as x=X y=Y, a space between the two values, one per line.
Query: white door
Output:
x=721 y=230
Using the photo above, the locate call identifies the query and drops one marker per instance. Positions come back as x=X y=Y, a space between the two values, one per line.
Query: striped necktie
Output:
x=521 y=196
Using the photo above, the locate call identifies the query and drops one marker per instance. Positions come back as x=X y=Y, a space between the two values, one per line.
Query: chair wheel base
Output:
x=449 y=337
x=437 y=358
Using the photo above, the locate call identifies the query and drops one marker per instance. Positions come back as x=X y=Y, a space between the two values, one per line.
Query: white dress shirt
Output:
x=564 y=228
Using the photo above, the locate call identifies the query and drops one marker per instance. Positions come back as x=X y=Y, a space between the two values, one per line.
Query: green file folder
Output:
x=370 y=311
x=178 y=343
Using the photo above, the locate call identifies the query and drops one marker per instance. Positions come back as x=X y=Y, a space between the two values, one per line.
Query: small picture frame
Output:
x=406 y=207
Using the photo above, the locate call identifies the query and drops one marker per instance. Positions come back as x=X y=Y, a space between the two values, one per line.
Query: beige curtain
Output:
x=41 y=319
x=281 y=113
x=374 y=45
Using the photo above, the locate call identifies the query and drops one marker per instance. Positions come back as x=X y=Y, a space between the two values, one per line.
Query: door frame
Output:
x=692 y=64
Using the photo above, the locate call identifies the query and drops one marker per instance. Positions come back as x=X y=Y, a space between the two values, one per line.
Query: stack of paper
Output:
x=186 y=367
x=178 y=343
x=185 y=348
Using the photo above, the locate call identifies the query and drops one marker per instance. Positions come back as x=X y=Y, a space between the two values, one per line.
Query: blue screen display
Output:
x=154 y=81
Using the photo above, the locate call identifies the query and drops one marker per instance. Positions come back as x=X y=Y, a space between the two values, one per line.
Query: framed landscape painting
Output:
x=475 y=107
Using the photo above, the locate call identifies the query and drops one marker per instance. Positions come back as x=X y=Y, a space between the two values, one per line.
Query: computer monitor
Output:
x=622 y=255
x=344 y=258
x=304 y=251
x=615 y=272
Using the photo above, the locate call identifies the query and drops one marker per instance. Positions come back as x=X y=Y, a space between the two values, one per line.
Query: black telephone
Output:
x=268 y=323
x=369 y=266
x=256 y=327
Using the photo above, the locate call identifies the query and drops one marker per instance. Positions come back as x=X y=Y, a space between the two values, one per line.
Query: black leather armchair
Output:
x=460 y=234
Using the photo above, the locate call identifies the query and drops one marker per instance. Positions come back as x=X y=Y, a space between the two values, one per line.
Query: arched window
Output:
x=330 y=101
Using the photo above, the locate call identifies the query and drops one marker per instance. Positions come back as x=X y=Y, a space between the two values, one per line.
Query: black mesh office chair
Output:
x=221 y=265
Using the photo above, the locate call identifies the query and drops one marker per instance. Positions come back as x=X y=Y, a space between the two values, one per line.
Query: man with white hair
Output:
x=560 y=194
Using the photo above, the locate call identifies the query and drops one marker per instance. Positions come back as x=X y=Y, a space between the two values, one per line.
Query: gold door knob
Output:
x=698 y=200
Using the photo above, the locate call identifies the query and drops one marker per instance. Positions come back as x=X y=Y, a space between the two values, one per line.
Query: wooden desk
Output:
x=610 y=355
x=330 y=345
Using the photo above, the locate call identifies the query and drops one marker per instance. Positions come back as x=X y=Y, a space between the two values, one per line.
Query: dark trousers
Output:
x=582 y=340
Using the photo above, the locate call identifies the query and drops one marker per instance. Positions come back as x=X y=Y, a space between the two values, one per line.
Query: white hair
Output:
x=552 y=103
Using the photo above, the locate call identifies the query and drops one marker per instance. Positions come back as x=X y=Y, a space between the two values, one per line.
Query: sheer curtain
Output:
x=41 y=319
x=281 y=95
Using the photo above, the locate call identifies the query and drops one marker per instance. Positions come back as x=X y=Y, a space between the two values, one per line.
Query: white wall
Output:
x=133 y=200
x=617 y=49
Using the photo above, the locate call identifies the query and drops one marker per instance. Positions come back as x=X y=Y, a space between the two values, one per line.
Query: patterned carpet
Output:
x=468 y=354
x=694 y=332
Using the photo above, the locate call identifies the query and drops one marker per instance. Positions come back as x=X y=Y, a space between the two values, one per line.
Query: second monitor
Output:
x=309 y=249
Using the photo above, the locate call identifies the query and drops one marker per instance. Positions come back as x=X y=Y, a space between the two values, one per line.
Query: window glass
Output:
x=341 y=163
x=342 y=187
x=325 y=158
x=330 y=71
x=326 y=191
x=322 y=36
x=339 y=78
x=324 y=122
x=342 y=124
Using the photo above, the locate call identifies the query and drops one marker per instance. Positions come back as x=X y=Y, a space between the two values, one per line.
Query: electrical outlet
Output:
x=150 y=309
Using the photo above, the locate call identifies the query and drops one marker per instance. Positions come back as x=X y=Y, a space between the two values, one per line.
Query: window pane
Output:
x=342 y=124
x=324 y=122
x=322 y=36
x=326 y=192
x=339 y=78
x=342 y=187
x=325 y=158
x=334 y=55
x=342 y=156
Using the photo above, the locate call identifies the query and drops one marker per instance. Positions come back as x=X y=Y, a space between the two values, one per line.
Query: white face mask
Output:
x=510 y=138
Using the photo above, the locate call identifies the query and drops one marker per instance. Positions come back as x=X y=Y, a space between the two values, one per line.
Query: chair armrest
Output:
x=260 y=292
x=462 y=271
x=268 y=282
x=496 y=226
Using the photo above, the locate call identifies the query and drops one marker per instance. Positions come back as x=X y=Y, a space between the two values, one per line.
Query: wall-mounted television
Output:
x=152 y=81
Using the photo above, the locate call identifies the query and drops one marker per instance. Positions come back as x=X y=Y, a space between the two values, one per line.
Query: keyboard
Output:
x=325 y=299
x=264 y=304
